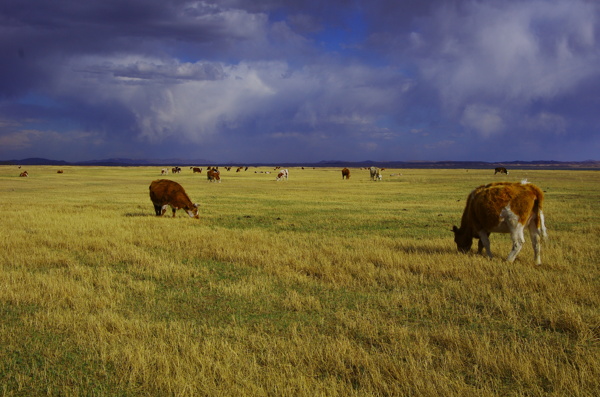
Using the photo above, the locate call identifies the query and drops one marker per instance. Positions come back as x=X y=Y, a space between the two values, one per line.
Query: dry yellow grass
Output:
x=314 y=286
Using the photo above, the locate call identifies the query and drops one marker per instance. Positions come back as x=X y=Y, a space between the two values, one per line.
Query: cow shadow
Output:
x=138 y=214
x=423 y=249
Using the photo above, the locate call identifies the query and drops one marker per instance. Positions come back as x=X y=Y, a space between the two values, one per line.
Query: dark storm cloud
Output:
x=299 y=80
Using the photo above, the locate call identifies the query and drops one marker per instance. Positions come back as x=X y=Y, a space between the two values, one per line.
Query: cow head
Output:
x=193 y=211
x=463 y=240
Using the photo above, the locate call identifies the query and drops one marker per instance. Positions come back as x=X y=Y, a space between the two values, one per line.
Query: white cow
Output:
x=375 y=173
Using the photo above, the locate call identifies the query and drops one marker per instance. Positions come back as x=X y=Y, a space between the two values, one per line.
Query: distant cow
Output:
x=60 y=172
x=197 y=170
x=375 y=173
x=345 y=173
x=164 y=171
x=502 y=207
x=164 y=192
x=501 y=170
x=213 y=175
x=176 y=170
x=24 y=174
x=283 y=174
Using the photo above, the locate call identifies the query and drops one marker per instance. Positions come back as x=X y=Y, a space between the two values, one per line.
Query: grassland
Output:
x=309 y=287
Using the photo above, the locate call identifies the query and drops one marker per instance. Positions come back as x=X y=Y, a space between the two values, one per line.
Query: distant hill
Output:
x=123 y=162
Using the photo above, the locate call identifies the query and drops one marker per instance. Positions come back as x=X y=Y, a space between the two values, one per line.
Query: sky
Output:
x=234 y=81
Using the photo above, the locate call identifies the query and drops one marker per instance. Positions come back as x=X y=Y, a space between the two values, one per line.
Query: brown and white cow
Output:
x=500 y=170
x=283 y=174
x=176 y=170
x=164 y=192
x=345 y=173
x=197 y=170
x=502 y=207
x=375 y=173
x=213 y=175
x=24 y=174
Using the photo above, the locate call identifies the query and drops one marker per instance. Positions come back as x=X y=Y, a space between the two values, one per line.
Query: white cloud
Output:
x=485 y=120
x=193 y=101
x=509 y=51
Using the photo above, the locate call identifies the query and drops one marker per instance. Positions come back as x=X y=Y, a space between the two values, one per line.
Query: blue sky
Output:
x=300 y=81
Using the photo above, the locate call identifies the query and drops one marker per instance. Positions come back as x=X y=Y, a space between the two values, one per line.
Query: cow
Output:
x=283 y=174
x=60 y=172
x=164 y=171
x=213 y=175
x=345 y=173
x=164 y=192
x=500 y=170
x=24 y=174
x=502 y=207
x=375 y=173
x=197 y=170
x=176 y=170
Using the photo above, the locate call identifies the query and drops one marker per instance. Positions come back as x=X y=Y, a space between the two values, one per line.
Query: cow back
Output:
x=165 y=191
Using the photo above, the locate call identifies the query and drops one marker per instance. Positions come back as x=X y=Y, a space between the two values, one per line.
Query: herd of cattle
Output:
x=499 y=207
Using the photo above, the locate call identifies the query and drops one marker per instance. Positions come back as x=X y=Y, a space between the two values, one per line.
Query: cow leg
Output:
x=535 y=235
x=518 y=239
x=174 y=210
x=163 y=209
x=479 y=246
x=157 y=209
x=484 y=242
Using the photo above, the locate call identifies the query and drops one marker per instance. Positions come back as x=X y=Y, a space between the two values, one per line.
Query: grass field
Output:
x=315 y=286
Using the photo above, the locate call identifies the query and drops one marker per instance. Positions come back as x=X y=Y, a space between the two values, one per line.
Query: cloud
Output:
x=28 y=138
x=485 y=120
x=546 y=122
x=512 y=51
x=303 y=78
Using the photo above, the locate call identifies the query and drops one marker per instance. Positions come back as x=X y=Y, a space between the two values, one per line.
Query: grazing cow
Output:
x=501 y=170
x=24 y=174
x=60 y=172
x=375 y=173
x=164 y=192
x=502 y=207
x=213 y=175
x=197 y=170
x=164 y=171
x=176 y=170
x=283 y=174
x=345 y=173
